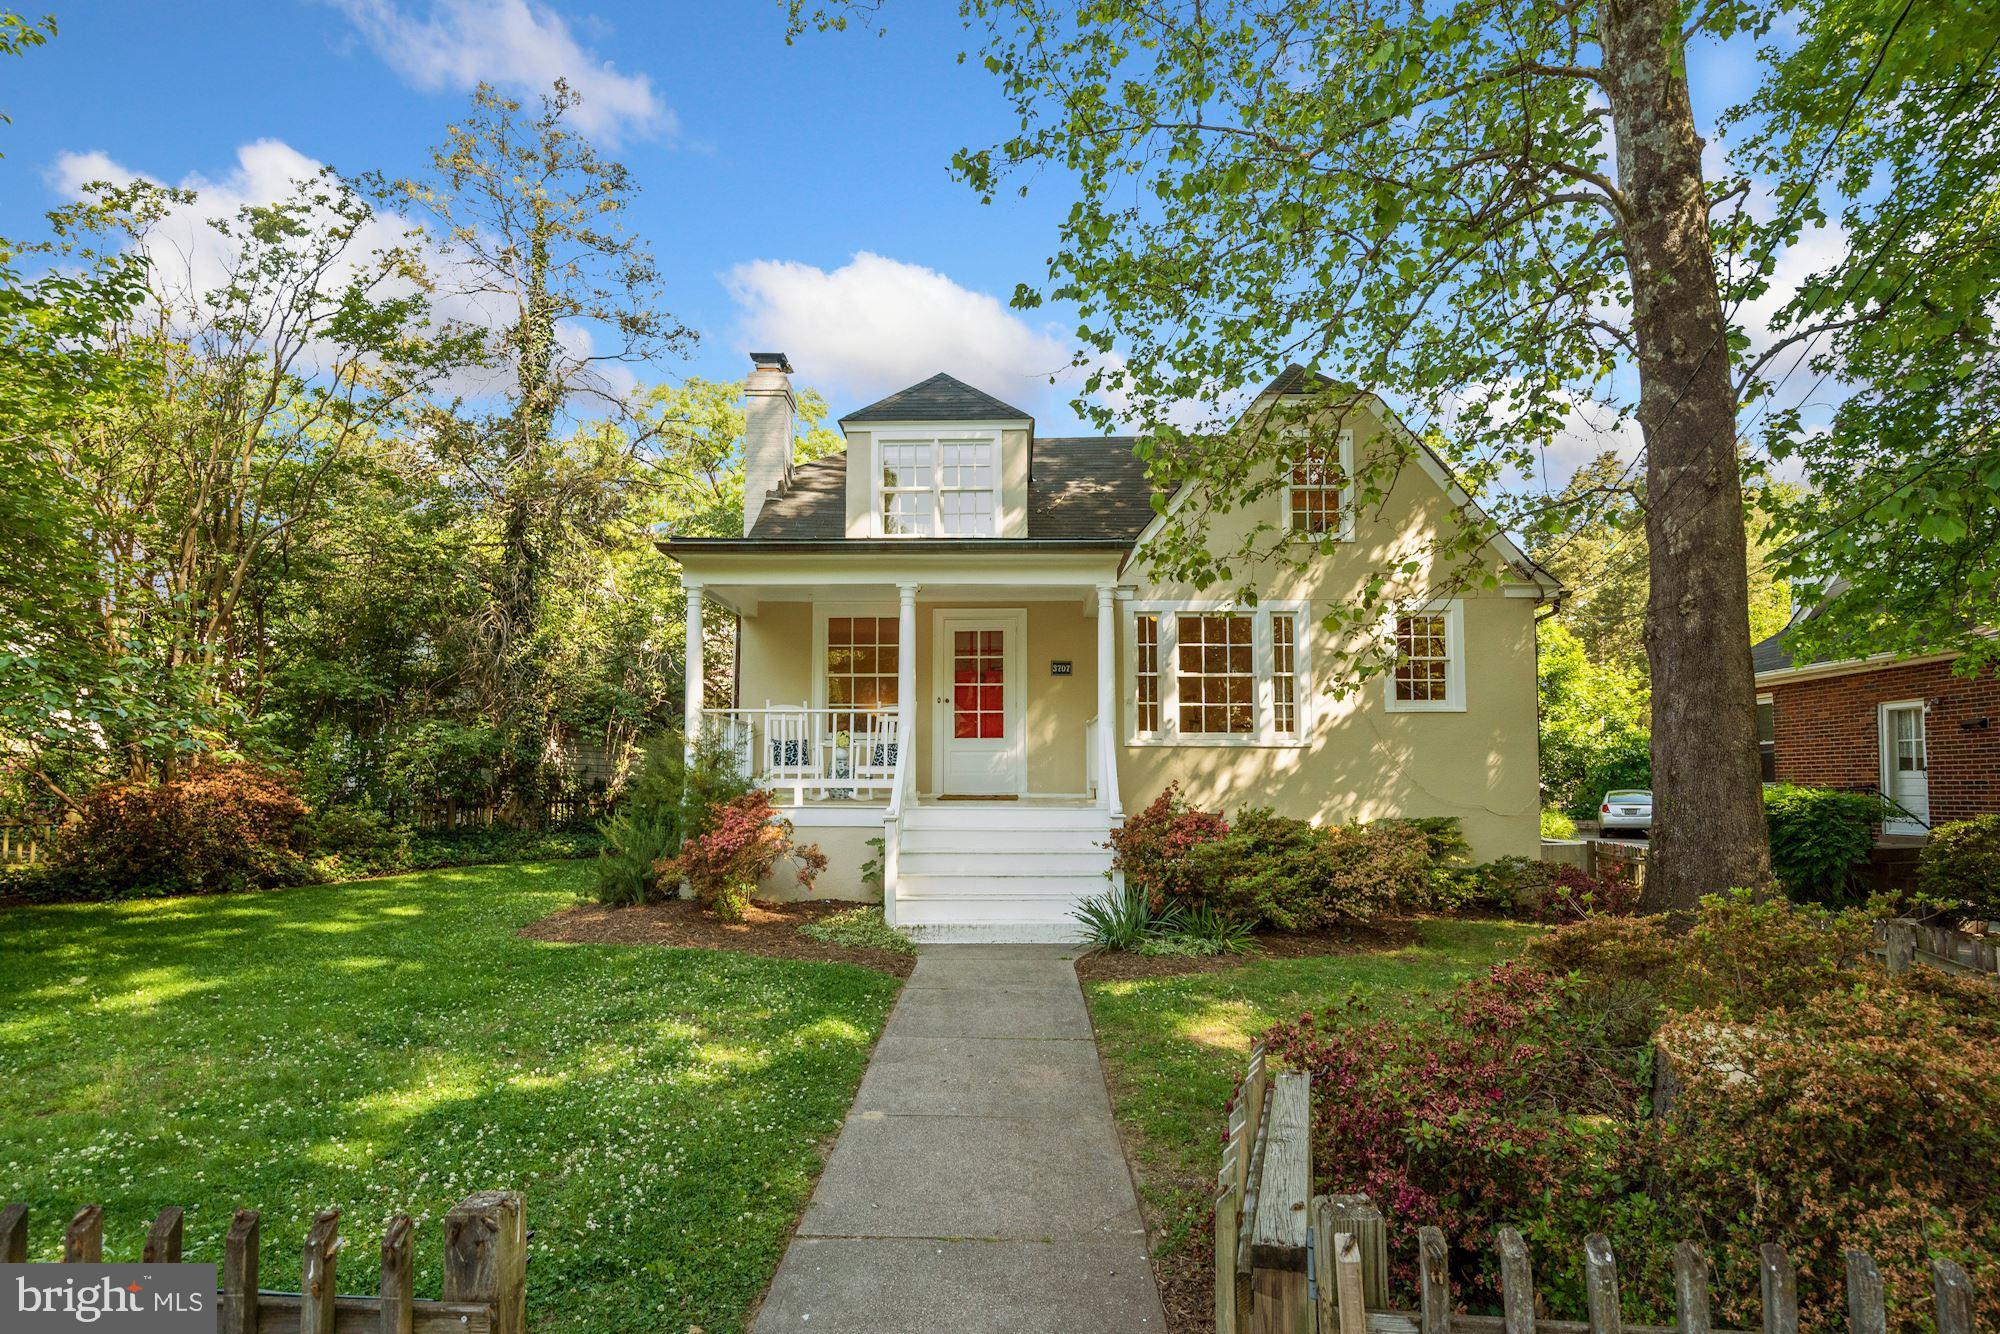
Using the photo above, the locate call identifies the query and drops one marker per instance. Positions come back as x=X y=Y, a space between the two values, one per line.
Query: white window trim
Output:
x=1345 y=533
x=1454 y=647
x=1264 y=737
x=930 y=433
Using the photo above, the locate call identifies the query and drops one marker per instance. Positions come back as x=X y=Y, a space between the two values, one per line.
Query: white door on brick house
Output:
x=1906 y=766
x=979 y=703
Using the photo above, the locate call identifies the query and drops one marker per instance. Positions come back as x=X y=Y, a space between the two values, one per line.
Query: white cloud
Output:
x=517 y=46
x=875 y=325
x=73 y=171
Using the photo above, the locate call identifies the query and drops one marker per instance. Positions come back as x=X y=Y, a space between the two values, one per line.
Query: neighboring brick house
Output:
x=1908 y=728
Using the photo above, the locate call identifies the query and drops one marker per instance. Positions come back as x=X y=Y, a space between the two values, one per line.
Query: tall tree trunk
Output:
x=1710 y=818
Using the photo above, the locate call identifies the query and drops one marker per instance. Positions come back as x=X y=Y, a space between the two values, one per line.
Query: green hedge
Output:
x=1820 y=839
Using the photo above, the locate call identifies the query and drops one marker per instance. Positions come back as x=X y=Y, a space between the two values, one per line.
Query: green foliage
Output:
x=1595 y=721
x=1819 y=839
x=859 y=927
x=730 y=847
x=1118 y=919
x=468 y=1056
x=1899 y=499
x=1265 y=869
x=1961 y=865
x=1557 y=825
x=220 y=829
x=665 y=802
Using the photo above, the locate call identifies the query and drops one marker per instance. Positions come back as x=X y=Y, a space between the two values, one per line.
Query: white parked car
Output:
x=1626 y=810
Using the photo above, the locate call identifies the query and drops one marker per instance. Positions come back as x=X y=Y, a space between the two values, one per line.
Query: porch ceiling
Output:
x=743 y=583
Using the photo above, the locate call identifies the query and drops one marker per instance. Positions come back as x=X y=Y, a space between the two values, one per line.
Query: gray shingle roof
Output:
x=938 y=399
x=1082 y=488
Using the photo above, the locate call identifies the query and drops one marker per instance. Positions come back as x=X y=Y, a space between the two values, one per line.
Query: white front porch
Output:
x=958 y=722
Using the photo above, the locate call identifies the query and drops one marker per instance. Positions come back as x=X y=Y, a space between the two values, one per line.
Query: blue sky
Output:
x=796 y=196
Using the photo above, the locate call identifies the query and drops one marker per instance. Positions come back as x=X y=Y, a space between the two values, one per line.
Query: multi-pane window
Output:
x=1215 y=675
x=1284 y=674
x=979 y=684
x=860 y=667
x=965 y=488
x=1313 y=495
x=1423 y=658
x=1146 y=632
x=907 y=491
x=940 y=487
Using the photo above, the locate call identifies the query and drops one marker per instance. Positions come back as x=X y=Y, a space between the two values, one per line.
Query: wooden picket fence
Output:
x=26 y=842
x=1906 y=941
x=485 y=1270
x=1288 y=1262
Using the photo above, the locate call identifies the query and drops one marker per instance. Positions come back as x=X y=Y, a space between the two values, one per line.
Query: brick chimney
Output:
x=767 y=432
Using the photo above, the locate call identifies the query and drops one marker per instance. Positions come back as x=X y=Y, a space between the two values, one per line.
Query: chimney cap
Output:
x=771 y=361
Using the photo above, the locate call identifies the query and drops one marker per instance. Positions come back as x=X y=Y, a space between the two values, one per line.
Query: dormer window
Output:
x=939 y=485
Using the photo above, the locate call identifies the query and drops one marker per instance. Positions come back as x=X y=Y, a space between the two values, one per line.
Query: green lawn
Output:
x=391 y=1045
x=1175 y=1046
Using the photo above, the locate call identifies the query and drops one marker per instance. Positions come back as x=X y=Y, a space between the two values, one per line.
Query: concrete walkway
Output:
x=978 y=1184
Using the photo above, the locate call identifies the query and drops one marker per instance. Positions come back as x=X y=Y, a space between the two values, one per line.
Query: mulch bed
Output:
x=1118 y=967
x=768 y=929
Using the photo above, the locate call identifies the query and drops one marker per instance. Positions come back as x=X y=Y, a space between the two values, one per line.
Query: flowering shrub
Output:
x=1266 y=869
x=1468 y=1120
x=223 y=827
x=743 y=842
x=1866 y=1115
x=1152 y=847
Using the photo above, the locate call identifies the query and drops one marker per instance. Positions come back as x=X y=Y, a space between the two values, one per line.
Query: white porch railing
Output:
x=825 y=753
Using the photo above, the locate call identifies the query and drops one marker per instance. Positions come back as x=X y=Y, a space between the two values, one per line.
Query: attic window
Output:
x=938 y=485
x=1316 y=502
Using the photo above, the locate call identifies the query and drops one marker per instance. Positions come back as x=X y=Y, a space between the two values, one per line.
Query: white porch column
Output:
x=691 y=716
x=906 y=682
x=1108 y=731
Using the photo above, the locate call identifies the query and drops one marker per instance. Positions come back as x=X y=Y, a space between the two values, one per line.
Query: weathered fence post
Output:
x=1899 y=938
x=1278 y=1285
x=1690 y=1289
x=1781 y=1290
x=1865 y=1314
x=163 y=1239
x=398 y=1277
x=316 y=1273
x=239 y=1274
x=1228 y=1224
x=14 y=1234
x=1517 y=1284
x=486 y=1256
x=1600 y=1285
x=1433 y=1282
x=1357 y=1216
x=1954 y=1297
x=83 y=1243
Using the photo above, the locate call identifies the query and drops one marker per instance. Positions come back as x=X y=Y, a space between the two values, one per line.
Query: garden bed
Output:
x=768 y=929
x=1117 y=965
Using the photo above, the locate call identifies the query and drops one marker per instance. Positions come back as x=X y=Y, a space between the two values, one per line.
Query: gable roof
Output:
x=941 y=398
x=1084 y=488
x=1295 y=380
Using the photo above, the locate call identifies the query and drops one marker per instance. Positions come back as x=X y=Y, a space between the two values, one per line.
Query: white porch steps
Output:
x=998 y=872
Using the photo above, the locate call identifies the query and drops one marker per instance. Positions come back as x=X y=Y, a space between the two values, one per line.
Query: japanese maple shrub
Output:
x=742 y=843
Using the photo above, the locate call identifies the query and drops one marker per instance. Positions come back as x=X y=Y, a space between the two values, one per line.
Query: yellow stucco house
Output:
x=952 y=664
